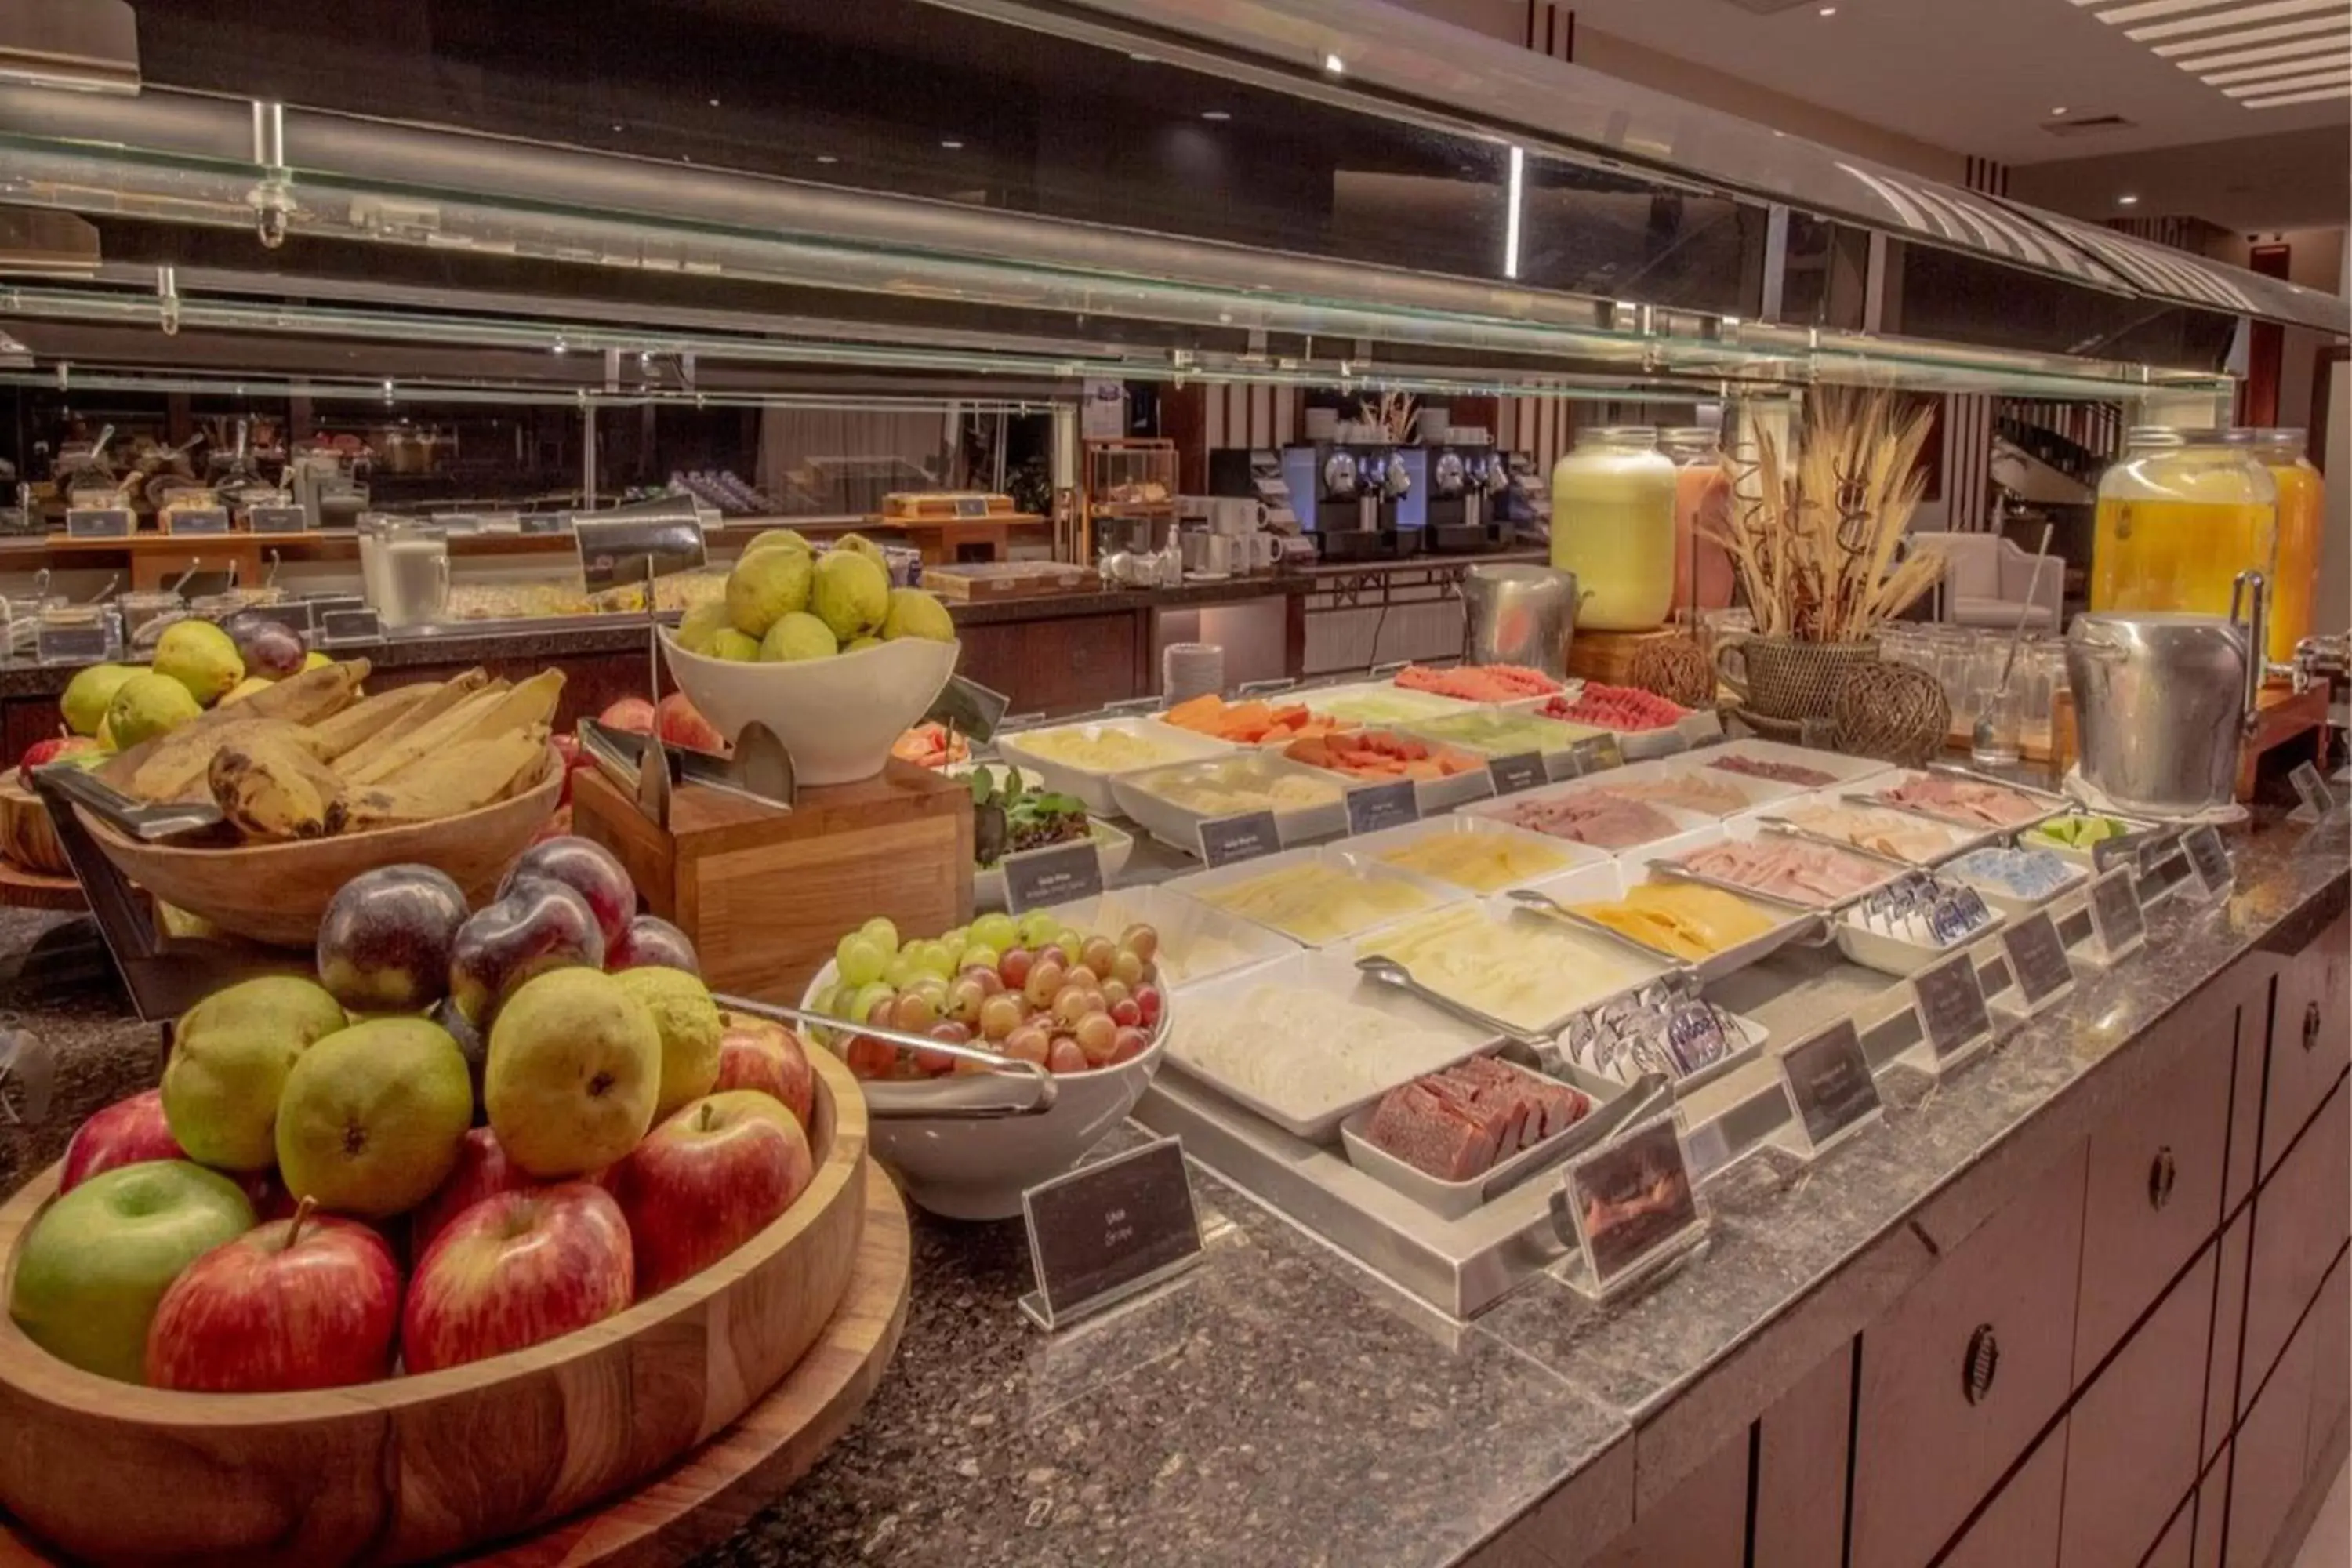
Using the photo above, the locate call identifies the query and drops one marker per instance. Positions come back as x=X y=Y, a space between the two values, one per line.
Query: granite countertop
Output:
x=1278 y=1403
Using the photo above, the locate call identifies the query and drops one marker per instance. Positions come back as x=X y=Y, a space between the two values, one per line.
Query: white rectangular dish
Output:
x=1636 y=746
x=1882 y=830
x=1784 y=925
x=1274 y=892
x=1170 y=803
x=1472 y=731
x=1144 y=743
x=1509 y=808
x=1525 y=971
x=1884 y=873
x=1455 y=1199
x=1113 y=845
x=1842 y=768
x=1198 y=943
x=1477 y=855
x=1314 y=1055
x=1897 y=955
x=1999 y=897
x=1375 y=703
x=2033 y=838
x=2046 y=805
x=1430 y=795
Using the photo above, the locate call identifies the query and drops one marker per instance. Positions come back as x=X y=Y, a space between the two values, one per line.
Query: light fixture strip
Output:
x=2322 y=96
x=2293 y=47
x=1511 y=213
x=2230 y=40
x=2341 y=56
x=2292 y=84
x=2267 y=11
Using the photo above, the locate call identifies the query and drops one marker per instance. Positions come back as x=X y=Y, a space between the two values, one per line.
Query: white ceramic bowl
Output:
x=836 y=716
x=979 y=1169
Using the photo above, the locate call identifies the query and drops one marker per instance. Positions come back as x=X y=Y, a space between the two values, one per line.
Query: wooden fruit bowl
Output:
x=276 y=893
x=417 y=1467
x=27 y=836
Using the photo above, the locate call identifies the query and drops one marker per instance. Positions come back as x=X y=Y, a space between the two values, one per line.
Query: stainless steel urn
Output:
x=2161 y=702
x=1519 y=615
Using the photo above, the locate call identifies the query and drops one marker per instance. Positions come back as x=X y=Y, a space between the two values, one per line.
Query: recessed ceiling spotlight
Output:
x=1143 y=59
x=2057 y=112
x=1215 y=114
x=826 y=158
x=1827 y=11
x=952 y=146
x=714 y=103
x=1335 y=65
x=2126 y=201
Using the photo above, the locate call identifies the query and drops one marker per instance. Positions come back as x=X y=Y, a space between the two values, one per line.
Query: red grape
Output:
x=1054 y=953
x=1044 y=979
x=1126 y=1012
x=870 y=1057
x=1068 y=1058
x=1098 y=954
x=1029 y=1044
x=964 y=1000
x=1142 y=941
x=981 y=976
x=1070 y=1005
x=1080 y=975
x=913 y=1012
x=1148 y=998
x=1096 y=1033
x=1130 y=1044
x=999 y=1016
x=1014 y=967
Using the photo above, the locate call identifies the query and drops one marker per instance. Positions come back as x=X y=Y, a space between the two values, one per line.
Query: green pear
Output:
x=90 y=693
x=574 y=1072
x=690 y=1028
x=372 y=1117
x=230 y=1056
x=764 y=586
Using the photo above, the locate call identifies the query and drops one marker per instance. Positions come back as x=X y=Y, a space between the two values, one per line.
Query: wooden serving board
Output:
x=427 y=1466
x=711 y=1492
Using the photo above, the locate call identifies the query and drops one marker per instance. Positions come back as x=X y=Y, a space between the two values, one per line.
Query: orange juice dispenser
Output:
x=2294 y=578
x=2178 y=517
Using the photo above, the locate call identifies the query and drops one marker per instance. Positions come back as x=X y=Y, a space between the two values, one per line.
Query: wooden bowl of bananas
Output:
x=315 y=784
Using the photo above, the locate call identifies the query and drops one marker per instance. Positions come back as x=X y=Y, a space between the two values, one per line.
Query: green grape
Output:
x=978 y=954
x=859 y=959
x=901 y=970
x=868 y=997
x=936 y=958
x=997 y=932
x=1037 y=928
x=881 y=930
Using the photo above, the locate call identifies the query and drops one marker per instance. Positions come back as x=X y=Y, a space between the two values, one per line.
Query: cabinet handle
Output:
x=2310 y=1024
x=2161 y=1172
x=1983 y=1361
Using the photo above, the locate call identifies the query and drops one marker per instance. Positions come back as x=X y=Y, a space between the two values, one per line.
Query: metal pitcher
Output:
x=2162 y=700
x=1518 y=614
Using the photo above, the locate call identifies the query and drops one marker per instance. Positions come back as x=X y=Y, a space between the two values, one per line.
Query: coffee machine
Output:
x=327 y=493
x=1358 y=488
x=1465 y=483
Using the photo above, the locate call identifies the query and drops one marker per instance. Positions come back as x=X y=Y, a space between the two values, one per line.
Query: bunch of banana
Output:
x=417 y=753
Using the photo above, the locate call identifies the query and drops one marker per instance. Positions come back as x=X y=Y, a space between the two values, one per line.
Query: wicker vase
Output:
x=1780 y=682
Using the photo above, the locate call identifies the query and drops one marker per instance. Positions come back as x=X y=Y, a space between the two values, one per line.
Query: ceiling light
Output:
x=1143 y=59
x=826 y=158
x=952 y=146
x=2057 y=112
x=1215 y=114
x=2126 y=201
x=2207 y=21
x=2237 y=36
x=2320 y=96
x=2329 y=78
x=1827 y=11
x=714 y=103
x=2308 y=63
x=1335 y=65
x=2293 y=47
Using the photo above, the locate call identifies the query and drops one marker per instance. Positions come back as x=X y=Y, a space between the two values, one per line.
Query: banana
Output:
x=458 y=778
x=425 y=739
x=176 y=769
x=532 y=703
x=442 y=698
x=369 y=717
x=169 y=766
x=272 y=787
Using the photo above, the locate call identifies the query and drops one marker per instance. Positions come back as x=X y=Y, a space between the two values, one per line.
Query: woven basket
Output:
x=1895 y=712
x=1675 y=669
x=1779 y=683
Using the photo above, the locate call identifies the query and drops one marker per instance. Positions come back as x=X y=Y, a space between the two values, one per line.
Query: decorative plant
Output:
x=1815 y=543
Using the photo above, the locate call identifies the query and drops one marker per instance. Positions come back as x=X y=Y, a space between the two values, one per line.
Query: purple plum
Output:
x=535 y=925
x=652 y=942
x=268 y=648
x=385 y=940
x=588 y=869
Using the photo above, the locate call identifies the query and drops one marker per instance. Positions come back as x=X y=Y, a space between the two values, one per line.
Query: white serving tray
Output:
x=1684 y=822
x=1748 y=830
x=1455 y=1199
x=2002 y=901
x=1113 y=844
x=2083 y=857
x=1320 y=699
x=1466 y=824
x=1333 y=974
x=1431 y=795
x=1893 y=955
x=1204 y=885
x=2052 y=804
x=1843 y=769
x=1501 y=910
x=1179 y=827
x=1089 y=785
x=1788 y=924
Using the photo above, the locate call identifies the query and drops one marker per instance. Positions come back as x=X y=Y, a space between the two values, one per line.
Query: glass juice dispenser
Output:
x=2302 y=503
x=2178 y=517
x=1612 y=524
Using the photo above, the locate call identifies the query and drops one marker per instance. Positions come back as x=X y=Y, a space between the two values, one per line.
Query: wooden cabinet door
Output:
x=2132 y=1437
x=2020 y=1528
x=1930 y=1441
x=2311 y=1037
x=2154 y=1196
x=2175 y=1548
x=2330 y=1326
x=2267 y=1458
x=1701 y=1523
x=2300 y=1218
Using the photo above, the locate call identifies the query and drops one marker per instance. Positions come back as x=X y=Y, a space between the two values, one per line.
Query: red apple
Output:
x=680 y=723
x=306 y=1302
x=634 y=714
x=482 y=1170
x=40 y=754
x=515 y=1269
x=707 y=1181
x=124 y=1133
x=755 y=1053
x=567 y=746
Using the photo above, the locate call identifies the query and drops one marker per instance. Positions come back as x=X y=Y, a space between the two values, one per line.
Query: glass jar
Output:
x=1612 y=524
x=2179 y=516
x=1703 y=576
x=2294 y=569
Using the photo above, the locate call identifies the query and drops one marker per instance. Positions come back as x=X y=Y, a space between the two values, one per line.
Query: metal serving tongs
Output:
x=649 y=770
x=885 y=1109
x=133 y=818
x=1545 y=905
x=1389 y=971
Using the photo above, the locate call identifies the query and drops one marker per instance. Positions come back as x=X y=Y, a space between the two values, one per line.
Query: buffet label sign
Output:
x=970 y=708
x=1831 y=1086
x=351 y=625
x=1371 y=807
x=1108 y=1230
x=1631 y=1205
x=1590 y=756
x=198 y=520
x=2115 y=914
x=1227 y=839
x=98 y=523
x=2210 y=861
x=2317 y=799
x=1056 y=874
x=277 y=520
x=2038 y=960
x=1952 y=1009
x=1521 y=769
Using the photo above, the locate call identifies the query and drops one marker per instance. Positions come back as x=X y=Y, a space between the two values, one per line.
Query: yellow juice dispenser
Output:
x=2302 y=499
x=1612 y=524
x=2178 y=517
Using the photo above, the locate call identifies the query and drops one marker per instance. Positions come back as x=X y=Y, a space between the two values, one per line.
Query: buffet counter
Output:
x=2110 y=1252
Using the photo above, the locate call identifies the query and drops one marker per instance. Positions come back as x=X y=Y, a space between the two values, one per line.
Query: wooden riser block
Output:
x=1608 y=657
x=765 y=894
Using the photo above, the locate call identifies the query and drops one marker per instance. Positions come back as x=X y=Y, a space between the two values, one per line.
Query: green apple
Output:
x=373 y=1116
x=230 y=1056
x=691 y=1030
x=574 y=1072
x=97 y=1261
